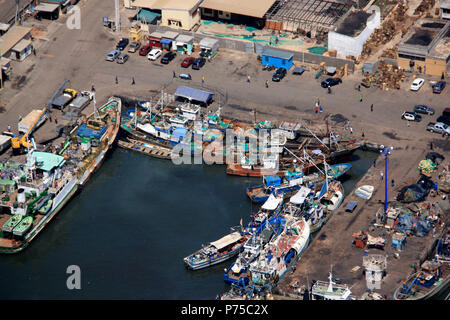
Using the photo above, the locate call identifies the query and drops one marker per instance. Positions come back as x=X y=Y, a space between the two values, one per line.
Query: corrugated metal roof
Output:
x=12 y=37
x=193 y=94
x=46 y=7
x=251 y=8
x=21 y=45
x=183 y=38
x=267 y=51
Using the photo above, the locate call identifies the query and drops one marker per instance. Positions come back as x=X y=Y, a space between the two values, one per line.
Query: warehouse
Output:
x=356 y=27
x=425 y=48
x=277 y=58
x=249 y=12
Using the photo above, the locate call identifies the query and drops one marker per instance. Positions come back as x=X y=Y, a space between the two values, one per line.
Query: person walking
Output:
x=329 y=89
x=431 y=145
x=267 y=83
x=371 y=107
x=174 y=74
x=248 y=78
x=375 y=163
x=92 y=88
x=133 y=82
x=117 y=80
x=320 y=109
x=351 y=130
x=9 y=128
x=392 y=183
x=381 y=175
x=360 y=97
x=359 y=87
x=56 y=119
x=203 y=80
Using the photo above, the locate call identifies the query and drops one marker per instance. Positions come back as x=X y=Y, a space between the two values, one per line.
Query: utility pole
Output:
x=17 y=12
x=387 y=152
x=117 y=17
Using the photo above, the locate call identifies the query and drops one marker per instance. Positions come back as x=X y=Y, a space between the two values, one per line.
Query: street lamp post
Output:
x=386 y=151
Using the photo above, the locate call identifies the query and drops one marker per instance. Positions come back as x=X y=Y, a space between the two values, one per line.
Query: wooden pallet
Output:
x=149 y=149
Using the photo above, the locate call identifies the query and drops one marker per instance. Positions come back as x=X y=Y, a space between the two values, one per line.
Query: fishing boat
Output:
x=217 y=251
x=274 y=184
x=23 y=226
x=47 y=181
x=433 y=279
x=280 y=254
x=322 y=290
x=365 y=192
x=272 y=207
x=238 y=274
x=337 y=171
x=190 y=111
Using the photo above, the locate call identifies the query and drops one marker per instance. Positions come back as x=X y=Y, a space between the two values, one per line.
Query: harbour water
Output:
x=130 y=228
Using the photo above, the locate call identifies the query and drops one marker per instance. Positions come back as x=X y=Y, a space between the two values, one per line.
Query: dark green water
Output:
x=130 y=228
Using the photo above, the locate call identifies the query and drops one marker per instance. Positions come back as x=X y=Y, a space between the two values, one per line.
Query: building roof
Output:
x=4 y=62
x=47 y=7
x=445 y=4
x=251 y=8
x=184 y=38
x=170 y=35
x=168 y=4
x=227 y=240
x=147 y=15
x=354 y=23
x=21 y=45
x=12 y=37
x=267 y=51
x=208 y=42
x=156 y=34
x=4 y=26
x=194 y=94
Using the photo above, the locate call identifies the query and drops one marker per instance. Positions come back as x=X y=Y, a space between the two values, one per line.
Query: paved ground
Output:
x=79 y=55
x=8 y=9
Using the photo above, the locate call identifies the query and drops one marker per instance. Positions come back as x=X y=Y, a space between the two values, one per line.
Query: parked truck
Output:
x=439 y=127
x=5 y=142
x=30 y=120
x=64 y=99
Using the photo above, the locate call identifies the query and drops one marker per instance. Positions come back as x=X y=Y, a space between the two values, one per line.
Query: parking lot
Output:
x=79 y=55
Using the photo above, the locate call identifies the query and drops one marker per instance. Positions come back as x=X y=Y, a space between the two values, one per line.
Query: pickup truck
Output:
x=63 y=100
x=439 y=127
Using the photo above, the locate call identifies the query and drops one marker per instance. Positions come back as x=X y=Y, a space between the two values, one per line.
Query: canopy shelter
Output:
x=168 y=39
x=300 y=196
x=21 y=50
x=47 y=10
x=46 y=161
x=3 y=28
x=194 y=94
x=154 y=39
x=227 y=240
x=148 y=16
x=184 y=43
x=272 y=203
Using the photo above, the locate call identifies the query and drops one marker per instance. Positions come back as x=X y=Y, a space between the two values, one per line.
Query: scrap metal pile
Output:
x=424 y=7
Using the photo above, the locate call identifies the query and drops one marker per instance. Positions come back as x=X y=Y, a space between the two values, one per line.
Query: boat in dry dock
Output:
x=217 y=251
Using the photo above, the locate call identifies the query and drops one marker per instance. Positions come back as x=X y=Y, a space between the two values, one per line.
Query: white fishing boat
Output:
x=323 y=290
x=365 y=192
x=190 y=111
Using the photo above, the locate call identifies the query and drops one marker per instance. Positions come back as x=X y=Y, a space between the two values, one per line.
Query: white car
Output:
x=112 y=55
x=154 y=54
x=417 y=84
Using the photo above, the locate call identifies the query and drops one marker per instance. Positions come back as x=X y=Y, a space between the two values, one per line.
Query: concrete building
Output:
x=355 y=28
x=10 y=39
x=426 y=47
x=445 y=10
x=178 y=14
x=375 y=266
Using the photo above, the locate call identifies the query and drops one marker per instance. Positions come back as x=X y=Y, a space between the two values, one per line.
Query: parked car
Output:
x=169 y=56
x=198 y=63
x=279 y=74
x=446 y=112
x=424 y=109
x=187 y=62
x=185 y=76
x=439 y=86
x=134 y=46
x=122 y=58
x=330 y=82
x=412 y=116
x=444 y=119
x=417 y=84
x=154 y=54
x=122 y=44
x=112 y=55
x=439 y=127
x=145 y=50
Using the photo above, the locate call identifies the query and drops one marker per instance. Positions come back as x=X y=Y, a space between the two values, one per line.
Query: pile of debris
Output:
x=390 y=53
x=385 y=32
x=386 y=76
x=424 y=7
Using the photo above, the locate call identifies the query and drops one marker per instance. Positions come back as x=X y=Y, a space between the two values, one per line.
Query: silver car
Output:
x=112 y=55
x=122 y=58
x=134 y=46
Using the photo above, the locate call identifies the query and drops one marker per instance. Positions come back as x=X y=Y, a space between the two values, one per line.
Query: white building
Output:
x=356 y=27
x=375 y=265
x=445 y=10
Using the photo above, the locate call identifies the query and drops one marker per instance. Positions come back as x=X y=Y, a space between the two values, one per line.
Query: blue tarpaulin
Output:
x=166 y=41
x=194 y=94
x=85 y=132
x=272 y=181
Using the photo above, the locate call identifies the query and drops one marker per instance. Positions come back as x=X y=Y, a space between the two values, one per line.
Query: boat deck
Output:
x=9 y=242
x=149 y=149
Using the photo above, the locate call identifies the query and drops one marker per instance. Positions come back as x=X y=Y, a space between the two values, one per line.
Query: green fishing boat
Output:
x=45 y=208
x=11 y=223
x=23 y=226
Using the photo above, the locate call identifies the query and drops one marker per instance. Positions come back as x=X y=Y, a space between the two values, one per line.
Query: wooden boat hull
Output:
x=211 y=262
